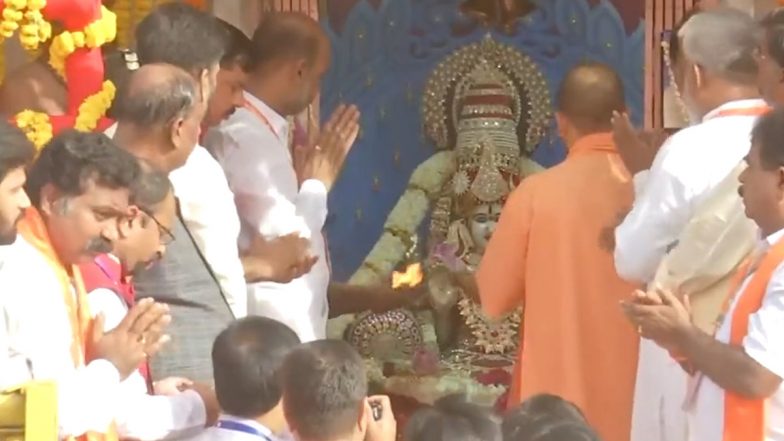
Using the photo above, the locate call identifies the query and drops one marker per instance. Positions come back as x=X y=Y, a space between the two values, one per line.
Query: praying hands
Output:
x=660 y=316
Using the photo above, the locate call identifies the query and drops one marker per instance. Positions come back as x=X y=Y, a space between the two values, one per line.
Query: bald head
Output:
x=287 y=36
x=589 y=95
x=156 y=95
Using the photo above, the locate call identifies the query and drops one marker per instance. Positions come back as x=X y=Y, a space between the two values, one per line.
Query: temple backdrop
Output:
x=384 y=51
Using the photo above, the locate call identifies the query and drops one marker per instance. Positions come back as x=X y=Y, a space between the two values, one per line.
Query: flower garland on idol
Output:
x=74 y=53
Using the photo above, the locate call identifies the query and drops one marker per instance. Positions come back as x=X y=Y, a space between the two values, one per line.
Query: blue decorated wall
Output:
x=384 y=51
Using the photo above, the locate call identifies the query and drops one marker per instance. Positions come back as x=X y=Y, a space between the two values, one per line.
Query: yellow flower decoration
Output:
x=94 y=35
x=94 y=108
x=36 y=126
x=26 y=17
x=13 y=14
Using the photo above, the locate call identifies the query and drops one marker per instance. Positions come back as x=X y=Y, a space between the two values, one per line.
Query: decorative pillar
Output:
x=660 y=16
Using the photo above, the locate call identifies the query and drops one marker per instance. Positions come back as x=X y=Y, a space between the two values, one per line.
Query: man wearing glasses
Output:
x=180 y=409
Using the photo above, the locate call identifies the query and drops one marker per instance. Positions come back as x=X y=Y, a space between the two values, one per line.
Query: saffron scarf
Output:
x=33 y=230
x=744 y=418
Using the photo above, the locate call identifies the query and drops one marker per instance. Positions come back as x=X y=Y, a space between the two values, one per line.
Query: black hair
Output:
x=554 y=429
x=773 y=23
x=542 y=406
x=15 y=149
x=160 y=102
x=238 y=47
x=179 y=34
x=453 y=418
x=72 y=160
x=324 y=388
x=151 y=188
x=767 y=135
x=246 y=361
x=282 y=35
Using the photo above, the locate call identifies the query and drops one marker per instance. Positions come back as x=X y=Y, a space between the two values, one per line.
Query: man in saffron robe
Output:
x=735 y=388
x=556 y=232
x=79 y=191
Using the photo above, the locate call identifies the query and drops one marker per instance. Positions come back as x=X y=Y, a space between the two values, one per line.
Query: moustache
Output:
x=99 y=245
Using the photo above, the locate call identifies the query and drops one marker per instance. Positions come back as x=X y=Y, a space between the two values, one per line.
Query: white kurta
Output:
x=142 y=416
x=763 y=344
x=35 y=343
x=686 y=169
x=207 y=207
x=255 y=155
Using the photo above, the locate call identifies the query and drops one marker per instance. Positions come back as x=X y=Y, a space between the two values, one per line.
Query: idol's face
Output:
x=84 y=226
x=482 y=221
x=13 y=202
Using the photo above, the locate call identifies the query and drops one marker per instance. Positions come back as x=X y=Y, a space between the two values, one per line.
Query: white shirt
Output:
x=763 y=343
x=142 y=416
x=690 y=164
x=255 y=155
x=207 y=207
x=225 y=434
x=35 y=344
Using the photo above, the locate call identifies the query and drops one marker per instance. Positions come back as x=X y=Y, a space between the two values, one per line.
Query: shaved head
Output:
x=589 y=95
x=156 y=95
x=287 y=35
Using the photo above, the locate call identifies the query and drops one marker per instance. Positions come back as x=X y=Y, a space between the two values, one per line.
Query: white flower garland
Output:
x=404 y=219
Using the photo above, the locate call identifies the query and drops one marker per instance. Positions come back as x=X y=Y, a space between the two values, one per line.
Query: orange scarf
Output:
x=33 y=230
x=744 y=418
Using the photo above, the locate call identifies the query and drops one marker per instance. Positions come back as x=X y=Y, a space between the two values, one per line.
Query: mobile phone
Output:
x=377 y=410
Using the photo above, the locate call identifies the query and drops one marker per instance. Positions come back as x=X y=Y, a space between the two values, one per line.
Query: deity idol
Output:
x=486 y=107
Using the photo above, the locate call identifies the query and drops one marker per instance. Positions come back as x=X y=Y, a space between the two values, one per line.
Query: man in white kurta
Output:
x=735 y=388
x=259 y=166
x=718 y=86
x=290 y=55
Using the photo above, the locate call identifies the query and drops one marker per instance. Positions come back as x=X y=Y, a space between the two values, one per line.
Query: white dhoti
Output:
x=659 y=393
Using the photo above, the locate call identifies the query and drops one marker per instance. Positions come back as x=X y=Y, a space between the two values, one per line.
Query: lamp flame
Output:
x=411 y=277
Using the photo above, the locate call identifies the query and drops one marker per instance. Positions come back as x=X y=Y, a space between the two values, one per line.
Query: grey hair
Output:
x=159 y=102
x=151 y=188
x=724 y=41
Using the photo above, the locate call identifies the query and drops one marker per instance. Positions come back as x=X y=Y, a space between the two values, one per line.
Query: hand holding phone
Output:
x=381 y=422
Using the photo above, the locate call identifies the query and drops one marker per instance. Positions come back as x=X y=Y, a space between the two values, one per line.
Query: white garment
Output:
x=225 y=434
x=141 y=416
x=255 y=155
x=763 y=344
x=207 y=207
x=687 y=168
x=35 y=344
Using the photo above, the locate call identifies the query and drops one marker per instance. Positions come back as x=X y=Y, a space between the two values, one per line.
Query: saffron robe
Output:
x=552 y=253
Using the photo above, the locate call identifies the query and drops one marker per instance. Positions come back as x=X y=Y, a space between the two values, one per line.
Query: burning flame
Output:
x=409 y=278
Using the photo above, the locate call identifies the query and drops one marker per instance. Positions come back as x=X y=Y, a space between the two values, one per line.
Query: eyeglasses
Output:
x=167 y=237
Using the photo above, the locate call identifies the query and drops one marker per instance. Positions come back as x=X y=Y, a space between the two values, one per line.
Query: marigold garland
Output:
x=25 y=16
x=94 y=35
x=36 y=126
x=94 y=108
